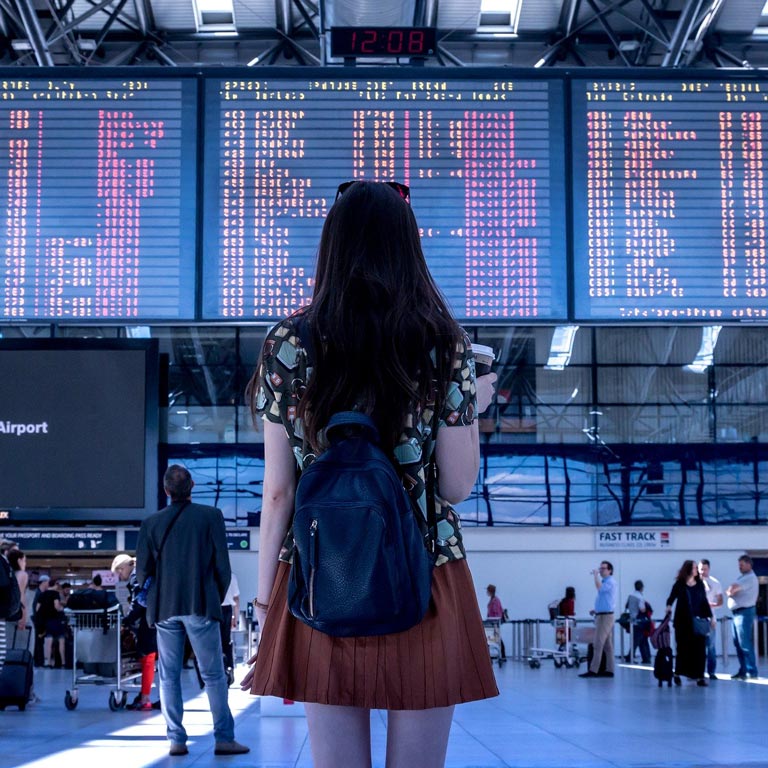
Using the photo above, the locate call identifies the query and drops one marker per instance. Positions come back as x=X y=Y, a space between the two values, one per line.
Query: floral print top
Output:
x=283 y=374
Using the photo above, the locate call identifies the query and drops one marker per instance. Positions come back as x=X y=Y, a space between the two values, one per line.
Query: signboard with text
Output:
x=64 y=541
x=633 y=538
x=238 y=540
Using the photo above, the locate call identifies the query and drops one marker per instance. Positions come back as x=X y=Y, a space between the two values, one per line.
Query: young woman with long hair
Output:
x=382 y=341
x=691 y=600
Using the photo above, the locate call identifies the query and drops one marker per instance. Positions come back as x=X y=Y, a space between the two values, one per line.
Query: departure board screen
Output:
x=483 y=158
x=100 y=202
x=670 y=199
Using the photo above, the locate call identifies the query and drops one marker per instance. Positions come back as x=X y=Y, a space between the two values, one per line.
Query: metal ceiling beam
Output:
x=703 y=27
x=571 y=8
x=680 y=46
x=5 y=22
x=444 y=53
x=284 y=17
x=682 y=33
x=265 y=54
x=127 y=56
x=9 y=11
x=650 y=14
x=58 y=13
x=603 y=22
x=129 y=30
x=161 y=55
x=431 y=8
x=35 y=35
x=722 y=58
x=107 y=26
x=75 y=23
x=567 y=40
x=143 y=15
x=308 y=15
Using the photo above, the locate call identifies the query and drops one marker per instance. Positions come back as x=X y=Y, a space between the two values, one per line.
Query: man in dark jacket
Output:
x=183 y=548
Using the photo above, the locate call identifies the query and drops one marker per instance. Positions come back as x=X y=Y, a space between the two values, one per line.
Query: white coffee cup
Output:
x=484 y=358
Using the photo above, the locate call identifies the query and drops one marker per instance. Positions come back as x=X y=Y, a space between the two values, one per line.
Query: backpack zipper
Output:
x=312 y=565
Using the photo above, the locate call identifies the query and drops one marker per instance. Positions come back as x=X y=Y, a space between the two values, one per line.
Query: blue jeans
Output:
x=205 y=638
x=639 y=640
x=711 y=651
x=743 y=621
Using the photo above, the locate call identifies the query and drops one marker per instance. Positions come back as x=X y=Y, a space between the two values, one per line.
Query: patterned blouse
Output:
x=281 y=382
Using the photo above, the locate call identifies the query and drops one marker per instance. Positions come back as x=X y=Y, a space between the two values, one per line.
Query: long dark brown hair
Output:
x=686 y=570
x=376 y=316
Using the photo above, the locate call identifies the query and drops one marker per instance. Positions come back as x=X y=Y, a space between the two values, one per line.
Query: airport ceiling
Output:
x=704 y=34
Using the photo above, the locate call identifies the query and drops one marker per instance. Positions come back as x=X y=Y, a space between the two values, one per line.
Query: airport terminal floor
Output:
x=544 y=718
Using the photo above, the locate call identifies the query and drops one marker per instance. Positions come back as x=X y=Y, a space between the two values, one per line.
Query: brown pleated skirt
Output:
x=443 y=660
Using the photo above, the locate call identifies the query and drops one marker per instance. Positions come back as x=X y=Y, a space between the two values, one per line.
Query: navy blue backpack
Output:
x=361 y=564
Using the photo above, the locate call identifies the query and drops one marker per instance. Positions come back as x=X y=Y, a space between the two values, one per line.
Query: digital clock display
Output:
x=383 y=41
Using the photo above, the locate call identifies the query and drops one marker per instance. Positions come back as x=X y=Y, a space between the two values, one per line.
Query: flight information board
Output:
x=484 y=160
x=100 y=203
x=670 y=200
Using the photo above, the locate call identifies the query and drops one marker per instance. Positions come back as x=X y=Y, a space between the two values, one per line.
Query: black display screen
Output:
x=484 y=160
x=99 y=207
x=78 y=429
x=669 y=199
x=383 y=41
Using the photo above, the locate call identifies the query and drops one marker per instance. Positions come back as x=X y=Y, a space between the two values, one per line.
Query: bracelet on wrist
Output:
x=263 y=606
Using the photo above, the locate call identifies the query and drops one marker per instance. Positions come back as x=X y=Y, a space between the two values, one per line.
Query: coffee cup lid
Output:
x=483 y=349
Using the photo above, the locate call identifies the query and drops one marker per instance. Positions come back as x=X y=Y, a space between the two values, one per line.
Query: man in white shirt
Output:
x=742 y=598
x=640 y=622
x=715 y=598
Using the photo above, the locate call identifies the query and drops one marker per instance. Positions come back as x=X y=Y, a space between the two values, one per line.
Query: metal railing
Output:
x=520 y=635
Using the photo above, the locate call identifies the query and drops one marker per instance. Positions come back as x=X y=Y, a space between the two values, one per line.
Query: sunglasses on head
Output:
x=401 y=189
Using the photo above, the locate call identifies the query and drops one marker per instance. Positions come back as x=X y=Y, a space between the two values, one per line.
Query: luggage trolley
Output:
x=493 y=638
x=97 y=636
x=566 y=653
x=583 y=636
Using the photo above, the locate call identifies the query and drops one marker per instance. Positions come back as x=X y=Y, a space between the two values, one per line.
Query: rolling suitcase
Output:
x=662 y=666
x=16 y=678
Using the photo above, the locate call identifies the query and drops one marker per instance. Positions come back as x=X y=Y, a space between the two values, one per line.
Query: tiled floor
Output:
x=544 y=718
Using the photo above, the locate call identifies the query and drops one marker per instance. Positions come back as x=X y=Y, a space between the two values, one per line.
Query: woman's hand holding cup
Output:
x=485 y=380
x=485 y=386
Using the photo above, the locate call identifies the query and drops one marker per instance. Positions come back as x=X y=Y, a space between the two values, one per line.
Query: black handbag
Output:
x=701 y=624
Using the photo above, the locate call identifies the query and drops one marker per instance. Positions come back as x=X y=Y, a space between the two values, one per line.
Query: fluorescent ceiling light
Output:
x=214 y=15
x=215 y=6
x=499 y=16
x=561 y=348
x=705 y=357
x=761 y=28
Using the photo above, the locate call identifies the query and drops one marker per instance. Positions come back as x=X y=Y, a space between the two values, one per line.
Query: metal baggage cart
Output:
x=583 y=636
x=566 y=652
x=97 y=636
x=493 y=638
